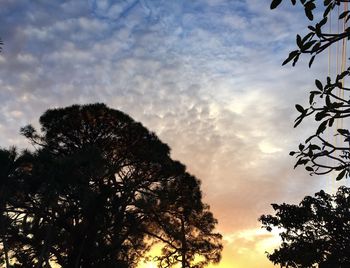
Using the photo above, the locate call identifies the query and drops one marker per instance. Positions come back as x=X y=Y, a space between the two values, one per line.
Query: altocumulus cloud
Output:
x=204 y=75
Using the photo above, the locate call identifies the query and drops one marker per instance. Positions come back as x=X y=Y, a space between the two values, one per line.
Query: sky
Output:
x=204 y=75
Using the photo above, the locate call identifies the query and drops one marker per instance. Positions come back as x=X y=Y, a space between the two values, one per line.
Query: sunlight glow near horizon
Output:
x=148 y=265
x=243 y=256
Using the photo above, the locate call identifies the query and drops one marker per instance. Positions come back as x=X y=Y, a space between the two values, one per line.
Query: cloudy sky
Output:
x=205 y=75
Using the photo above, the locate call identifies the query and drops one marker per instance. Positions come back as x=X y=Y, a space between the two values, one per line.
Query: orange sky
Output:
x=237 y=255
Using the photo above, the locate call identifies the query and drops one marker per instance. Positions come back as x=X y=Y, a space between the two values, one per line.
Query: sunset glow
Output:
x=148 y=265
x=205 y=76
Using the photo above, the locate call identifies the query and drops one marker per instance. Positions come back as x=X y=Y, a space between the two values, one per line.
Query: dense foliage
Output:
x=315 y=232
x=99 y=191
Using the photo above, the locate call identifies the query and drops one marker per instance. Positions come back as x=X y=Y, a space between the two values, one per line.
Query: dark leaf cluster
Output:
x=315 y=233
x=318 y=153
x=317 y=39
x=329 y=103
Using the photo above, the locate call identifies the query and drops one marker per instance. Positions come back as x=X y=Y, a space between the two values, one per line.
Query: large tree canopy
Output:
x=93 y=193
x=315 y=232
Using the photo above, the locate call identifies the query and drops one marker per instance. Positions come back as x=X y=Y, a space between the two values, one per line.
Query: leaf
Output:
x=322 y=127
x=323 y=22
x=320 y=115
x=309 y=6
x=315 y=92
x=342 y=75
x=319 y=84
x=291 y=56
x=342 y=15
x=316 y=47
x=326 y=12
x=337 y=104
x=275 y=3
x=298 y=121
x=330 y=122
x=301 y=162
x=314 y=147
x=307 y=37
x=328 y=101
x=312 y=28
x=344 y=132
x=309 y=169
x=292 y=153
x=311 y=60
x=301 y=146
x=300 y=108
x=339 y=168
x=308 y=45
x=309 y=14
x=341 y=175
x=295 y=59
x=311 y=98
x=298 y=41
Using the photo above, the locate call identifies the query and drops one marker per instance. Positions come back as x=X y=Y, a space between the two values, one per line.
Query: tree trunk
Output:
x=2 y=225
x=4 y=244
x=45 y=250
x=183 y=244
x=3 y=238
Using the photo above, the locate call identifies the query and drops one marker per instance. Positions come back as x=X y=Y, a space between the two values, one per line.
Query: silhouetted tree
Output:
x=318 y=153
x=88 y=189
x=186 y=224
x=317 y=231
x=8 y=166
x=14 y=166
x=101 y=163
